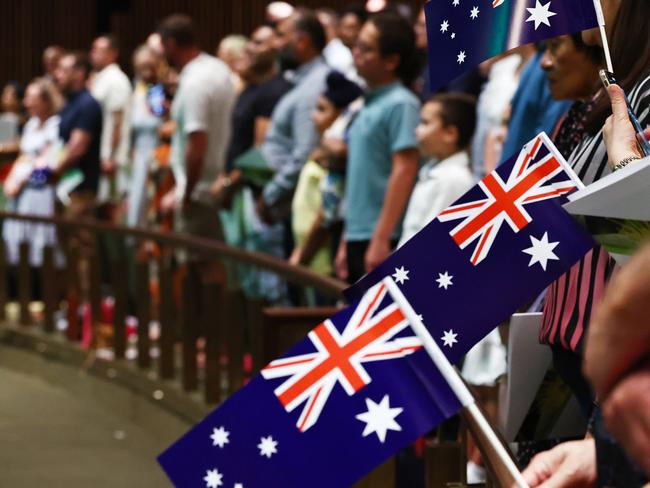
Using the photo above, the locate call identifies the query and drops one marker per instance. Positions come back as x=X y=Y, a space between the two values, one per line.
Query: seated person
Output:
x=444 y=134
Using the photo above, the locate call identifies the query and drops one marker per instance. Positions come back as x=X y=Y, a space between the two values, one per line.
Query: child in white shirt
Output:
x=444 y=134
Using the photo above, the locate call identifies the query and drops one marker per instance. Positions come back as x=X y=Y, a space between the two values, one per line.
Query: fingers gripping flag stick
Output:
x=464 y=33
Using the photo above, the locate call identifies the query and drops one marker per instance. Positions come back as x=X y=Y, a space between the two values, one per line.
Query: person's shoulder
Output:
x=400 y=95
x=88 y=103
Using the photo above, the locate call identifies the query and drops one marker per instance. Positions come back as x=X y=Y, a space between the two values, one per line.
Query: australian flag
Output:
x=492 y=251
x=361 y=387
x=464 y=33
x=358 y=389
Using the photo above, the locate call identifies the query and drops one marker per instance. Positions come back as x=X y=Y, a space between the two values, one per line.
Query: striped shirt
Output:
x=571 y=299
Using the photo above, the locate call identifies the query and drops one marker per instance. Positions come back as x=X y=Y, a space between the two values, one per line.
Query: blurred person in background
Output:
x=337 y=54
x=352 y=17
x=251 y=116
x=276 y=12
x=292 y=135
x=80 y=130
x=383 y=158
x=503 y=74
x=11 y=118
x=28 y=184
x=78 y=169
x=311 y=239
x=201 y=110
x=147 y=109
x=232 y=51
x=50 y=60
x=112 y=89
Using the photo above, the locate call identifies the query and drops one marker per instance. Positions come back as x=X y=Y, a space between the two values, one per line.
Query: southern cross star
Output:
x=380 y=418
x=268 y=447
x=542 y=251
x=449 y=339
x=213 y=478
x=444 y=280
x=456 y=3
x=474 y=13
x=461 y=57
x=444 y=26
x=220 y=437
x=401 y=275
x=540 y=14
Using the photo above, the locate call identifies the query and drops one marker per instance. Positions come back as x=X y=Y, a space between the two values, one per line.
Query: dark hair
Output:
x=594 y=54
x=307 y=22
x=179 y=27
x=396 y=36
x=341 y=91
x=458 y=110
x=81 y=61
x=355 y=9
x=18 y=89
x=630 y=46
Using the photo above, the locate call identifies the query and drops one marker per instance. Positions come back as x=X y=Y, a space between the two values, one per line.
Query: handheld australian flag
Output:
x=496 y=249
x=358 y=389
x=464 y=33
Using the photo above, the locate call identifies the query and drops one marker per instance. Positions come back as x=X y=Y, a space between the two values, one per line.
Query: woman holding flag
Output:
x=597 y=460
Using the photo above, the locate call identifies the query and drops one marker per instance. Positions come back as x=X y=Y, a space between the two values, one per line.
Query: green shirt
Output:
x=385 y=126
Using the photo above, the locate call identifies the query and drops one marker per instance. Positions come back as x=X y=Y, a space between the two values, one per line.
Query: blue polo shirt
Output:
x=385 y=125
x=83 y=112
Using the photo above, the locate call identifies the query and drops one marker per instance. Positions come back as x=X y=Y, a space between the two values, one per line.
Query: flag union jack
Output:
x=369 y=335
x=532 y=179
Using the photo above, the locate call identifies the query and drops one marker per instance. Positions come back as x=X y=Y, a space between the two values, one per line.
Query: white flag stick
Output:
x=603 y=35
x=495 y=452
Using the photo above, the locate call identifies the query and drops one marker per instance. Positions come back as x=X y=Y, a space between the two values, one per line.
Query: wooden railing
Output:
x=214 y=349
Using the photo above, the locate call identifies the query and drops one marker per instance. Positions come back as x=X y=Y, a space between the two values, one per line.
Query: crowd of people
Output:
x=315 y=138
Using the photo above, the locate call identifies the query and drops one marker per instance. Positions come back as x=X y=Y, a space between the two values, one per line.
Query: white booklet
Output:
x=528 y=361
x=624 y=194
x=616 y=209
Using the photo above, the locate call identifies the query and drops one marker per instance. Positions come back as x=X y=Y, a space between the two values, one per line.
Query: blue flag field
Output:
x=464 y=33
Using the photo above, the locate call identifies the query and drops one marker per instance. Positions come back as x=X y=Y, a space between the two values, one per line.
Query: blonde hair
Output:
x=234 y=44
x=49 y=93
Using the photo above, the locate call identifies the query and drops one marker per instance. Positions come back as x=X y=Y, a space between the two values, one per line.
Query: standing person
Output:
x=251 y=116
x=112 y=89
x=145 y=122
x=352 y=17
x=444 y=135
x=27 y=183
x=11 y=116
x=292 y=135
x=337 y=54
x=570 y=301
x=232 y=51
x=202 y=111
x=51 y=56
x=80 y=130
x=383 y=157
